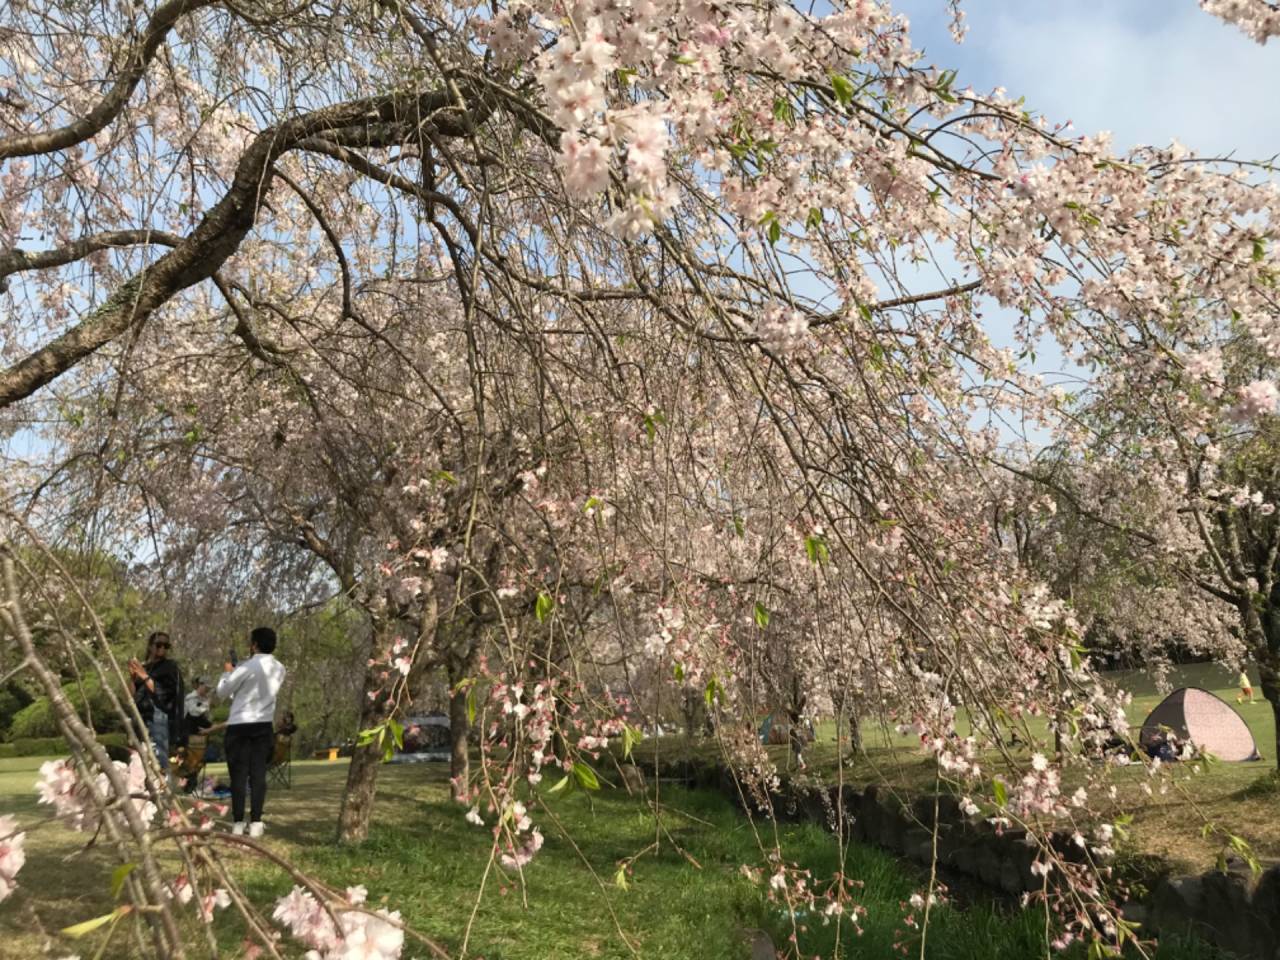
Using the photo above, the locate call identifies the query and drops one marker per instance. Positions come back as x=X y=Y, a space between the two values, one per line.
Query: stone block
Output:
x=1013 y=877
x=1177 y=902
x=917 y=845
x=846 y=800
x=1138 y=913
x=889 y=833
x=946 y=806
x=989 y=864
x=814 y=806
x=964 y=859
x=632 y=778
x=1266 y=900
x=1230 y=911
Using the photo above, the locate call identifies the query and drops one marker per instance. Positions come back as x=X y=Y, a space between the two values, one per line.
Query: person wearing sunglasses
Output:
x=157 y=691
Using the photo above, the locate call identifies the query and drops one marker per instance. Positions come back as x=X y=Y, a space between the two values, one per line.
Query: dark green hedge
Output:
x=52 y=746
x=36 y=721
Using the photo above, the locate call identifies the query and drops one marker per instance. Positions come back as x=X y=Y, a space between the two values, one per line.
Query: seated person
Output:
x=1163 y=747
x=198 y=724
x=197 y=708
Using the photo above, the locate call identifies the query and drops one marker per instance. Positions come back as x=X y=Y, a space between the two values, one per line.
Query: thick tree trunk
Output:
x=362 y=774
x=1270 y=672
x=357 y=798
x=855 y=730
x=1272 y=694
x=1262 y=629
x=459 y=728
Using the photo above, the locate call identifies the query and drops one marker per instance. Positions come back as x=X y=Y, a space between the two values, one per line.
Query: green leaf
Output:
x=631 y=736
x=815 y=548
x=546 y=603
x=78 y=930
x=585 y=776
x=1001 y=795
x=397 y=732
x=444 y=476
x=1259 y=249
x=471 y=704
x=620 y=879
x=565 y=784
x=775 y=232
x=943 y=88
x=814 y=220
x=118 y=877
x=842 y=87
x=761 y=614
x=713 y=692
x=679 y=672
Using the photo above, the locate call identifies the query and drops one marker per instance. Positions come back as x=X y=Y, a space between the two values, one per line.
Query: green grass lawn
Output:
x=1238 y=798
x=424 y=859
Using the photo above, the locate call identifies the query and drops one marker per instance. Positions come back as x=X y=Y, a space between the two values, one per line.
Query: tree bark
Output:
x=371 y=121
x=1271 y=693
x=855 y=730
x=362 y=774
x=1262 y=635
x=459 y=728
x=1268 y=661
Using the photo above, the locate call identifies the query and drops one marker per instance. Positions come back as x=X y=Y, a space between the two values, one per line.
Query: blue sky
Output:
x=1147 y=70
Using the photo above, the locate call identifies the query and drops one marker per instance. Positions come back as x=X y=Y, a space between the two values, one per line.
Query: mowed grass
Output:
x=686 y=898
x=1241 y=799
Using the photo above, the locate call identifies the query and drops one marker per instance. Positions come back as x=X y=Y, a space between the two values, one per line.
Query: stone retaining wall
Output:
x=1236 y=909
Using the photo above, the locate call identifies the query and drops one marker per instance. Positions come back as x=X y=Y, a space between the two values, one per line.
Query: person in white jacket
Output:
x=252 y=687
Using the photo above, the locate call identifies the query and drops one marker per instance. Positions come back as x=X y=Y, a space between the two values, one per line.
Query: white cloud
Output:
x=1147 y=70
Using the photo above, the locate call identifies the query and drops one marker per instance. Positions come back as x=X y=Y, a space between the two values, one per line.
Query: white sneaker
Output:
x=237 y=829
x=256 y=828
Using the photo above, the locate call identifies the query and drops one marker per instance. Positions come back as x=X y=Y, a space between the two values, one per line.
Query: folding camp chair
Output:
x=280 y=770
x=193 y=762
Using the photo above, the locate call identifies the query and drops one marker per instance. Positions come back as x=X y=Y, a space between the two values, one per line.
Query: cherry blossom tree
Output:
x=536 y=323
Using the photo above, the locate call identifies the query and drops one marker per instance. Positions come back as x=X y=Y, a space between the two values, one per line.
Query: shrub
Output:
x=12 y=699
x=52 y=746
x=36 y=720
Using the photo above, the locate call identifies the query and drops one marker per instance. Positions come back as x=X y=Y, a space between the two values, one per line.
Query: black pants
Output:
x=249 y=747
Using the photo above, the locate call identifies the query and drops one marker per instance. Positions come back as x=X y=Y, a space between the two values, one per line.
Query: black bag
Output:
x=144 y=701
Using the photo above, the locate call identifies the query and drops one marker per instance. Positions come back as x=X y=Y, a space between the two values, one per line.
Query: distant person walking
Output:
x=1246 y=688
x=157 y=693
x=251 y=687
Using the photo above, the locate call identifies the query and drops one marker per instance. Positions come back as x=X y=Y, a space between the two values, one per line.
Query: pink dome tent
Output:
x=1200 y=717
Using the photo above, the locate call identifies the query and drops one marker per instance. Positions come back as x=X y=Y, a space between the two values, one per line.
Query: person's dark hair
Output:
x=158 y=635
x=264 y=639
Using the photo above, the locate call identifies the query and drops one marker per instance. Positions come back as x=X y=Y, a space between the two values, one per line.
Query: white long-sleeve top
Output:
x=252 y=689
